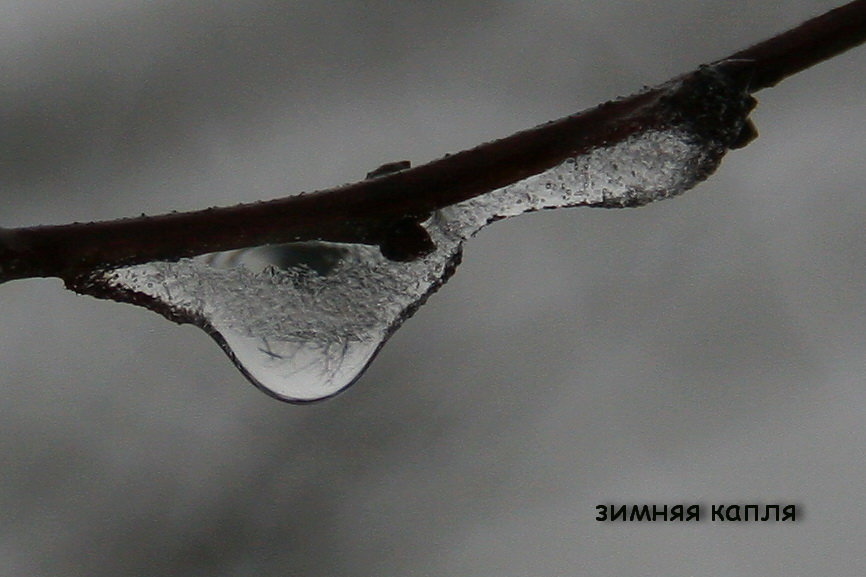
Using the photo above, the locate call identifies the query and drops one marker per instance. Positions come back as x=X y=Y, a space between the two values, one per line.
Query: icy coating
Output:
x=302 y=321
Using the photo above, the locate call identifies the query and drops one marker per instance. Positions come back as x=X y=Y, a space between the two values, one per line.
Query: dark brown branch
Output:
x=366 y=212
x=810 y=43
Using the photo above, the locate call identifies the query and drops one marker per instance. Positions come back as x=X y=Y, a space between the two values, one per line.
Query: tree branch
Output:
x=372 y=210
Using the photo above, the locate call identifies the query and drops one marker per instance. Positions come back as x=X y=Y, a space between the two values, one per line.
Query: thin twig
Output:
x=367 y=211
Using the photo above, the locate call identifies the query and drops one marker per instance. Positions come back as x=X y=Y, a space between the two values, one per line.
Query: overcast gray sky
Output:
x=708 y=349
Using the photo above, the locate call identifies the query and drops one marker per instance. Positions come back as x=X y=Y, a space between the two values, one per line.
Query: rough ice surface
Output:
x=302 y=321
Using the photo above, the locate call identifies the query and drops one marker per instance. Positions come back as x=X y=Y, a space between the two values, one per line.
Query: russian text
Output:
x=651 y=513
x=682 y=513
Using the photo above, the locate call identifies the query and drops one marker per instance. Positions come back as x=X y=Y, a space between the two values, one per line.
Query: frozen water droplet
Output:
x=302 y=321
x=646 y=167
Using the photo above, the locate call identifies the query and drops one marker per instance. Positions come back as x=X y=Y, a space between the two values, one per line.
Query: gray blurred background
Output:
x=708 y=349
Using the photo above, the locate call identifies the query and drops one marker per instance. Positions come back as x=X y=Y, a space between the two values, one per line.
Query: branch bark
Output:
x=371 y=210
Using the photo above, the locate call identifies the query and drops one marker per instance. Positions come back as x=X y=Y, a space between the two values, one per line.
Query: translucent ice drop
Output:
x=302 y=321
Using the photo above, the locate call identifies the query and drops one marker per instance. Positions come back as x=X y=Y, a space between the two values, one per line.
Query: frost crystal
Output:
x=302 y=321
